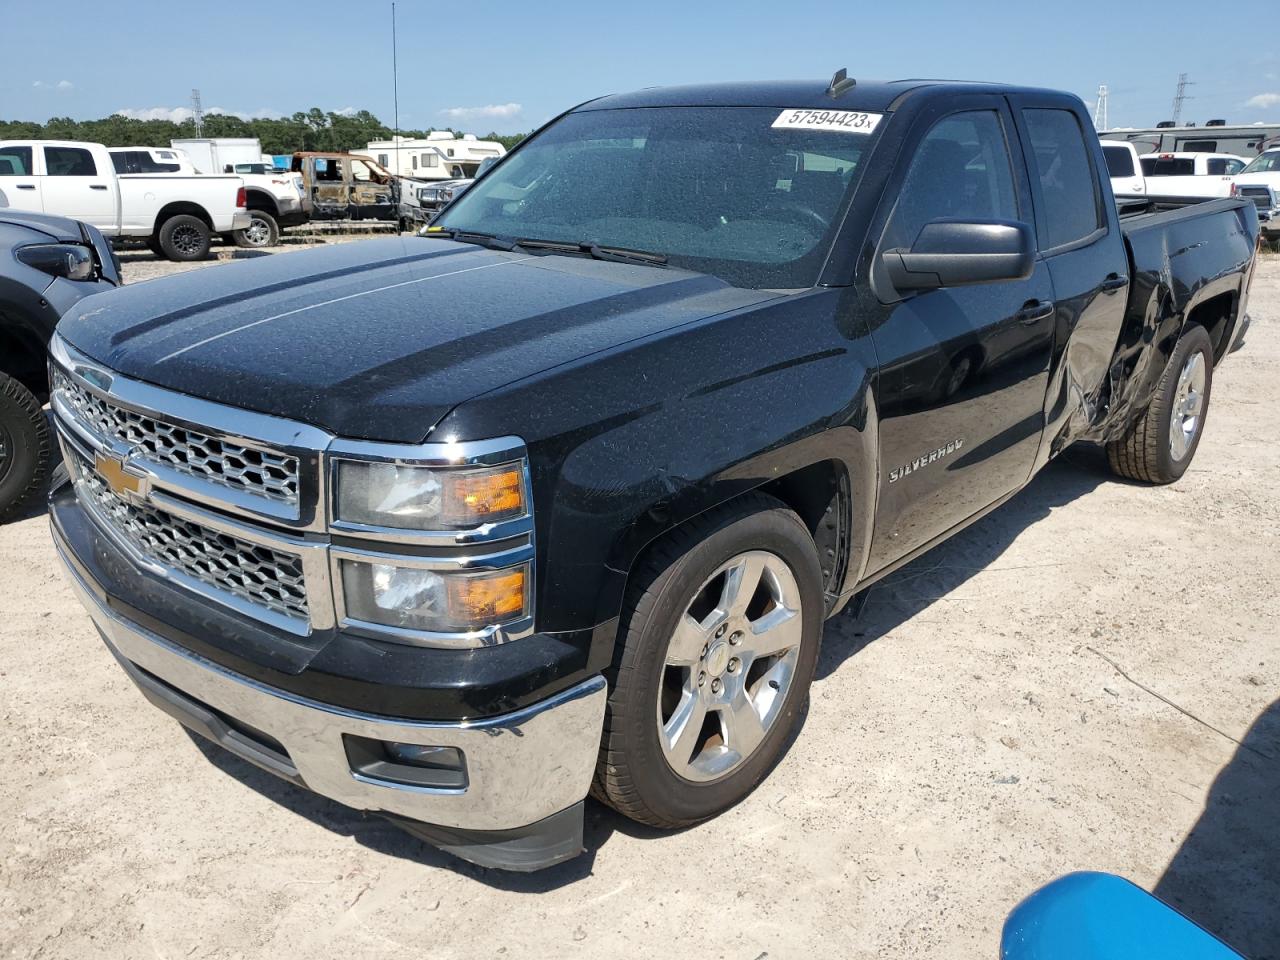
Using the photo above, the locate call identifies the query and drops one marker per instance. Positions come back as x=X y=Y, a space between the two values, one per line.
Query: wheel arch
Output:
x=22 y=356
x=831 y=490
x=178 y=208
x=258 y=199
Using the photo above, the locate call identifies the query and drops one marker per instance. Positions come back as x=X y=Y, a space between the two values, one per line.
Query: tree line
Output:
x=313 y=129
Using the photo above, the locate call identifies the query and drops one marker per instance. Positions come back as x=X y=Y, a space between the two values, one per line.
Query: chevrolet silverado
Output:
x=554 y=498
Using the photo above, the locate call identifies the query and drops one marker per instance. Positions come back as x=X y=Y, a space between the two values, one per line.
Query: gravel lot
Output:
x=970 y=738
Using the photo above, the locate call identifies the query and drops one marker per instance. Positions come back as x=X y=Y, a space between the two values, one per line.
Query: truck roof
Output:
x=862 y=95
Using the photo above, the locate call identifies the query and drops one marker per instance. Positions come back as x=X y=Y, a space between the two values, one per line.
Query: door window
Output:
x=961 y=170
x=1068 y=187
x=1119 y=161
x=361 y=172
x=69 y=162
x=1224 y=166
x=328 y=170
x=15 y=161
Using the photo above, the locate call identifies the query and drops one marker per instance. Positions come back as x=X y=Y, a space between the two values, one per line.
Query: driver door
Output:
x=964 y=369
x=369 y=191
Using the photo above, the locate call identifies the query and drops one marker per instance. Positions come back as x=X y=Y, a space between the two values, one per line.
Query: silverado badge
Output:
x=924 y=460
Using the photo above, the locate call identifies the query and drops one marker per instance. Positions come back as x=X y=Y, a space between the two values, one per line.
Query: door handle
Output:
x=1033 y=311
x=97 y=186
x=1114 y=282
x=26 y=186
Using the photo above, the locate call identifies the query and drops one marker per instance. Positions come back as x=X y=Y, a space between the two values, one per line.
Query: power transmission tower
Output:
x=1100 y=121
x=1181 y=95
x=197 y=113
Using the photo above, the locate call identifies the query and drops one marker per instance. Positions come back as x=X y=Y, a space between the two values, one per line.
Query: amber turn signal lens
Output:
x=484 y=495
x=494 y=598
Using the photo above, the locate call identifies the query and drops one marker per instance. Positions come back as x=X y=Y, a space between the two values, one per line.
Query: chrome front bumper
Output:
x=521 y=768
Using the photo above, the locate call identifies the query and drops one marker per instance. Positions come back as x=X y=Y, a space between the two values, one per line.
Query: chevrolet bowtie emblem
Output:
x=122 y=484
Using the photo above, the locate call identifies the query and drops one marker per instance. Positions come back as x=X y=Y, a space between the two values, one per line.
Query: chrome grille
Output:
x=262 y=473
x=258 y=574
x=1260 y=195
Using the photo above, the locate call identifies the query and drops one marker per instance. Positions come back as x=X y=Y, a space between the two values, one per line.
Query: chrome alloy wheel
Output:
x=1188 y=406
x=729 y=666
x=257 y=233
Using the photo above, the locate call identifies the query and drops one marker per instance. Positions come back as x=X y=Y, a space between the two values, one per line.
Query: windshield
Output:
x=1268 y=162
x=714 y=189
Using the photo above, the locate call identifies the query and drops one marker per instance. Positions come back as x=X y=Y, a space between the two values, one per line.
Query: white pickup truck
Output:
x=1204 y=175
x=176 y=215
x=1260 y=182
x=275 y=198
x=1124 y=167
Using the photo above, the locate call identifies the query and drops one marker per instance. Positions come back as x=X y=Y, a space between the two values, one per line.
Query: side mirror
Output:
x=955 y=253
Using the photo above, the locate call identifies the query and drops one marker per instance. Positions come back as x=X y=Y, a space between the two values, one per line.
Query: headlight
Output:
x=428 y=498
x=415 y=598
x=71 y=260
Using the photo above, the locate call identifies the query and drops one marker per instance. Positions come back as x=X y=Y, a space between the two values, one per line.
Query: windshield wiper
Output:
x=490 y=240
x=591 y=249
x=624 y=254
x=619 y=254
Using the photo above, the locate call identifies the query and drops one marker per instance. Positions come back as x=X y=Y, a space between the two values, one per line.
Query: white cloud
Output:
x=176 y=114
x=49 y=85
x=1264 y=101
x=182 y=114
x=65 y=85
x=346 y=111
x=493 y=111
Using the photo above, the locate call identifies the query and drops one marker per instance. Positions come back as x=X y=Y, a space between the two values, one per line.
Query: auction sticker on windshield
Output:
x=847 y=121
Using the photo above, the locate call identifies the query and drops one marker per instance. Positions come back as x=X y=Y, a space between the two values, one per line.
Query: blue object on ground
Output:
x=1097 y=916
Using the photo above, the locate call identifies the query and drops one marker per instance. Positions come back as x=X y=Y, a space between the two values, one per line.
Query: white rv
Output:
x=438 y=156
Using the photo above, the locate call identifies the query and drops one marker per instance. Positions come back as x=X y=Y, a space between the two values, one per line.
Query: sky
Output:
x=486 y=65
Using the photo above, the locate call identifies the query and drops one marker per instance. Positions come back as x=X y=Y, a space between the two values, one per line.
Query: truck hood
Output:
x=1267 y=179
x=380 y=339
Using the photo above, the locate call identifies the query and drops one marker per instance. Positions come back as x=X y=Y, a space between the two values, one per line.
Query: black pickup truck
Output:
x=555 y=498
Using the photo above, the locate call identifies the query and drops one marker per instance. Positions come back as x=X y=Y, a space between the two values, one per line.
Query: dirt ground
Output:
x=1085 y=680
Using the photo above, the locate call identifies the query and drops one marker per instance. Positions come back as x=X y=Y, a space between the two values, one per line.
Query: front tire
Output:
x=1161 y=445
x=24 y=446
x=719 y=641
x=184 y=238
x=263 y=231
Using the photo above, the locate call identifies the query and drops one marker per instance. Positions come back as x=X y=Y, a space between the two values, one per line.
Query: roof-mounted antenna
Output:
x=840 y=82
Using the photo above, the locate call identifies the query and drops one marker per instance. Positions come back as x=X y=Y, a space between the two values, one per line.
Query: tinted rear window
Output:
x=1168 y=167
x=1119 y=161
x=69 y=162
x=15 y=161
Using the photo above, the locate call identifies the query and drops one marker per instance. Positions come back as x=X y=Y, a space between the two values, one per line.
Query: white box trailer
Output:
x=216 y=155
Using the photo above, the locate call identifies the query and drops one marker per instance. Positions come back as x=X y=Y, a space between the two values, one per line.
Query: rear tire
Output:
x=263 y=231
x=184 y=238
x=680 y=600
x=1161 y=445
x=24 y=446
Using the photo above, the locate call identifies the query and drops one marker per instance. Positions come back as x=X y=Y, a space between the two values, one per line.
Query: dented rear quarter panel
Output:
x=1179 y=262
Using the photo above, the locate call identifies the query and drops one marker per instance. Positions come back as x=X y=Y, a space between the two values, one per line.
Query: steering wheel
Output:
x=799 y=214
